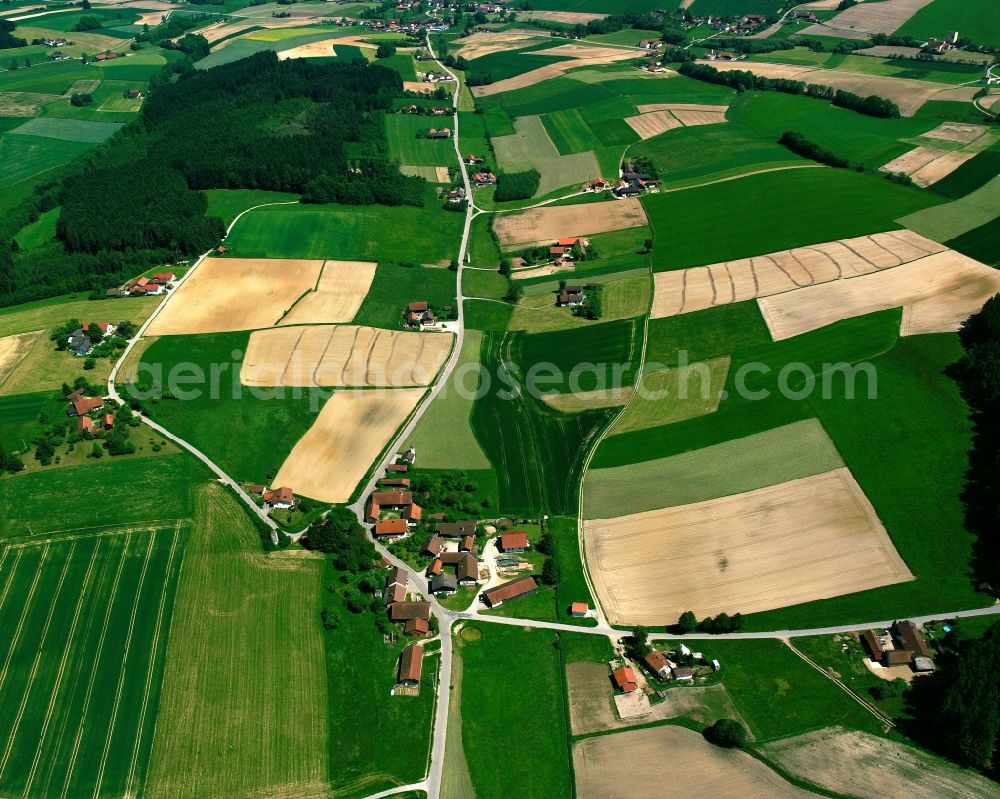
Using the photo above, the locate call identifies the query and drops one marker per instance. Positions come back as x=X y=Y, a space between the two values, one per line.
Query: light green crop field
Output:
x=621 y=299
x=507 y=659
x=948 y=221
x=531 y=148
x=241 y=621
x=797 y=450
x=23 y=157
x=444 y=436
x=280 y=34
x=570 y=132
x=671 y=395
x=828 y=204
x=405 y=146
x=940 y=72
x=84 y=623
x=426 y=235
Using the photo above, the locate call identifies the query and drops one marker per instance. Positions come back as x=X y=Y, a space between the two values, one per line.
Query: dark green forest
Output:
x=259 y=123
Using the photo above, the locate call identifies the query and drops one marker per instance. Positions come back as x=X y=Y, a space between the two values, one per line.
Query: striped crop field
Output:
x=83 y=634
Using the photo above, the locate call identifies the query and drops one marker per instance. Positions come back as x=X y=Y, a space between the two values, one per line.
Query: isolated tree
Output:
x=648 y=244
x=727 y=733
x=688 y=622
x=385 y=50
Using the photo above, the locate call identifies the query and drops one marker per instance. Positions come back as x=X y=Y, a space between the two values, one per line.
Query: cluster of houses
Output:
x=900 y=645
x=438 y=133
x=144 y=286
x=738 y=26
x=633 y=182
x=434 y=77
x=938 y=46
x=597 y=184
x=83 y=408
x=419 y=314
x=82 y=340
x=280 y=498
x=722 y=55
x=434 y=111
x=563 y=250
x=456 y=194
x=416 y=620
x=110 y=55
x=673 y=666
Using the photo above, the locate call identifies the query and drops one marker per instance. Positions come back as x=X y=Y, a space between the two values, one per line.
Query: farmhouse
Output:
x=597 y=184
x=435 y=568
x=682 y=673
x=279 y=497
x=515 y=541
x=394 y=593
x=444 y=583
x=873 y=645
x=79 y=405
x=909 y=636
x=394 y=482
x=404 y=611
x=579 y=609
x=484 y=177
x=466 y=566
x=416 y=627
x=401 y=501
x=434 y=133
x=133 y=94
x=571 y=297
x=397 y=576
x=411 y=664
x=455 y=529
x=624 y=679
x=390 y=528
x=508 y=591
x=656 y=662
x=473 y=160
x=84 y=424
x=397 y=468
x=466 y=544
x=432 y=546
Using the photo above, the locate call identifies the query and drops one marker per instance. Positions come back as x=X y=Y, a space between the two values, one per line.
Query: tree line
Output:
x=315 y=129
x=744 y=80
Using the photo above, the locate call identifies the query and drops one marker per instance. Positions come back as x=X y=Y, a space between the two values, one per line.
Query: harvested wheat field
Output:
x=351 y=431
x=628 y=763
x=320 y=49
x=486 y=42
x=691 y=118
x=577 y=55
x=587 y=400
x=567 y=17
x=343 y=355
x=908 y=93
x=337 y=296
x=939 y=168
x=591 y=707
x=647 y=108
x=225 y=294
x=686 y=290
x=812 y=538
x=860 y=21
x=546 y=223
x=13 y=349
x=653 y=124
x=956 y=131
x=937 y=294
x=863 y=765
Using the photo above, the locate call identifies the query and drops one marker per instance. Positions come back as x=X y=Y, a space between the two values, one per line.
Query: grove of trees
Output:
x=517 y=185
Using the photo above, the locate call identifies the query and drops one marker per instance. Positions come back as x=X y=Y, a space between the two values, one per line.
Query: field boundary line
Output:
x=34 y=665
x=57 y=685
x=20 y=623
x=93 y=673
x=99 y=532
x=10 y=577
x=130 y=779
x=866 y=705
x=124 y=668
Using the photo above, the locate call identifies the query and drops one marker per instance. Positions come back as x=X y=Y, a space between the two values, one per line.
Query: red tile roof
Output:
x=579 y=608
x=282 y=494
x=84 y=405
x=514 y=540
x=625 y=679
x=657 y=661
x=84 y=423
x=417 y=627
x=390 y=527
x=411 y=663
x=403 y=611
x=392 y=499
x=511 y=590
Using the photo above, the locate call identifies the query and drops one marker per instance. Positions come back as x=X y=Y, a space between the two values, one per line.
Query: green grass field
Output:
x=444 y=436
x=971 y=175
x=513 y=700
x=621 y=299
x=19 y=415
x=23 y=157
x=131 y=490
x=406 y=148
x=367 y=233
x=85 y=624
x=536 y=453
x=38 y=232
x=797 y=450
x=570 y=132
x=484 y=283
x=240 y=619
x=977 y=19
x=948 y=221
x=981 y=243
x=270 y=421
x=735 y=7
x=227 y=204
x=531 y=148
x=68 y=129
x=829 y=204
x=512 y=62
x=395 y=286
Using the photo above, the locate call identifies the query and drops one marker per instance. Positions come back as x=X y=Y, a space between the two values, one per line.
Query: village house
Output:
x=395 y=592
x=908 y=634
x=107 y=422
x=571 y=297
x=466 y=544
x=390 y=529
x=397 y=468
x=84 y=424
x=80 y=405
x=649 y=44
x=466 y=566
x=416 y=627
x=682 y=673
x=483 y=178
x=579 y=610
x=598 y=184
x=404 y=611
x=436 y=567
x=443 y=133
x=443 y=583
x=624 y=679
x=440 y=112
x=255 y=489
x=432 y=546
x=279 y=498
x=133 y=94
x=455 y=529
x=411 y=665
x=419 y=313
x=656 y=662
x=54 y=42
x=400 y=501
x=394 y=482
x=474 y=160
x=456 y=195
x=514 y=541
x=522 y=586
x=874 y=646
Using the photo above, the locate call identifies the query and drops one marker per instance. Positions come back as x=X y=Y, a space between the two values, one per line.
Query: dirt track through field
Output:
x=578 y=56
x=343 y=355
x=630 y=763
x=329 y=461
x=909 y=94
x=339 y=292
x=13 y=349
x=553 y=222
x=226 y=294
x=937 y=294
x=861 y=21
x=687 y=290
x=807 y=539
x=856 y=763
